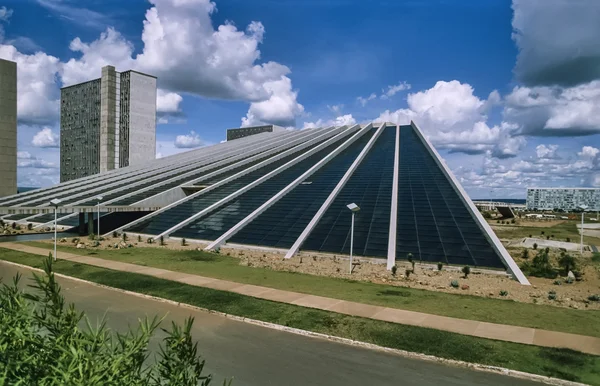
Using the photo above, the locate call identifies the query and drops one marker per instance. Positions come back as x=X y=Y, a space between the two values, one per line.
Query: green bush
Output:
x=45 y=342
x=115 y=234
x=411 y=260
x=540 y=267
x=466 y=270
x=29 y=226
x=150 y=240
x=454 y=283
x=124 y=237
x=440 y=265
x=569 y=280
x=535 y=246
x=594 y=298
x=14 y=225
x=557 y=282
x=139 y=239
x=552 y=295
x=567 y=262
x=525 y=254
x=407 y=272
x=512 y=221
x=162 y=240
x=503 y=293
x=530 y=236
x=183 y=244
x=497 y=221
x=394 y=269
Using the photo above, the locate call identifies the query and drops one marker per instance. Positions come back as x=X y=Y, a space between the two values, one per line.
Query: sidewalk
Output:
x=525 y=335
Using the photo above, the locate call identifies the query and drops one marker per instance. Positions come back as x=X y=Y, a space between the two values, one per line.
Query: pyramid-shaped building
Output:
x=289 y=190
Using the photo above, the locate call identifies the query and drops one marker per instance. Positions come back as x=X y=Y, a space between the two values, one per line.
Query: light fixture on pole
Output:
x=354 y=208
x=55 y=202
x=99 y=198
x=583 y=208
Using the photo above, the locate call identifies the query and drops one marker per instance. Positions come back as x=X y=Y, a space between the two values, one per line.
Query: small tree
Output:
x=162 y=240
x=394 y=270
x=183 y=244
x=542 y=233
x=407 y=272
x=525 y=254
x=440 y=265
x=411 y=260
x=534 y=245
x=139 y=239
x=124 y=237
x=466 y=270
x=29 y=226
x=567 y=262
x=14 y=225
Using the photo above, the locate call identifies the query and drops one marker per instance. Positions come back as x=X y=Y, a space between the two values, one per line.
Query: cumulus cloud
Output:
x=394 y=89
x=454 y=118
x=550 y=53
x=26 y=160
x=280 y=108
x=45 y=138
x=343 y=120
x=547 y=151
x=189 y=141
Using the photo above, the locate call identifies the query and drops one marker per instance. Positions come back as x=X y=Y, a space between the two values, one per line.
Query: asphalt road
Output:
x=260 y=356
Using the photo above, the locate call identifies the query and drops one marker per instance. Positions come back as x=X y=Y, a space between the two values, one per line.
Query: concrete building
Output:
x=289 y=190
x=107 y=123
x=563 y=198
x=8 y=128
x=246 y=131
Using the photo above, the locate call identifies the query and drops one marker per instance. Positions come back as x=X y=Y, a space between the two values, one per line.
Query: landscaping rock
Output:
x=571 y=275
x=80 y=246
x=464 y=287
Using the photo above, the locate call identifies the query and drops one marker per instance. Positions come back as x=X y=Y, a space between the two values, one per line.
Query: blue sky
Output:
x=490 y=82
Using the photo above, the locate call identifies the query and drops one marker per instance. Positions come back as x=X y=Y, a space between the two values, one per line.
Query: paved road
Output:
x=256 y=355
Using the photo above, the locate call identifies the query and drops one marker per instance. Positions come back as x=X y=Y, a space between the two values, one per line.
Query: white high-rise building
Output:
x=563 y=198
x=107 y=123
x=8 y=127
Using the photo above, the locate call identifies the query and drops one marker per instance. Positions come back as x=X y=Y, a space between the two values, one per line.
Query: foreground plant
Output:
x=42 y=342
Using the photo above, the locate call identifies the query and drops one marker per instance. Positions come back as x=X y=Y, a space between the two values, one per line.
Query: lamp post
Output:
x=99 y=198
x=354 y=208
x=583 y=208
x=55 y=203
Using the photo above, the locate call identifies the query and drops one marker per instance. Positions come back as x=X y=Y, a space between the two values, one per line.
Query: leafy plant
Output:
x=407 y=272
x=567 y=262
x=530 y=236
x=503 y=293
x=44 y=341
x=535 y=246
x=569 y=280
x=150 y=240
x=29 y=226
x=162 y=240
x=525 y=254
x=466 y=270
x=115 y=234
x=594 y=298
x=394 y=269
x=440 y=265
x=497 y=221
x=14 y=225
x=124 y=235
x=547 y=237
x=557 y=282
x=139 y=239
x=411 y=260
x=540 y=267
x=183 y=244
x=542 y=233
x=568 y=239
x=512 y=221
x=454 y=283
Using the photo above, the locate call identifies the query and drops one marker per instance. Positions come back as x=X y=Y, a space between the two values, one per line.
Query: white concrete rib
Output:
x=391 y=256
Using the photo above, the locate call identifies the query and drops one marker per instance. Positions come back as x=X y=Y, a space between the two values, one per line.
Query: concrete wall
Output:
x=8 y=127
x=142 y=118
x=109 y=120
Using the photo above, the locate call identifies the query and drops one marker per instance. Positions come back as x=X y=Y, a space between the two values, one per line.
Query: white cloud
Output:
x=168 y=102
x=343 y=120
x=81 y=16
x=454 y=118
x=364 y=101
x=280 y=108
x=45 y=138
x=26 y=160
x=588 y=152
x=394 y=89
x=336 y=109
x=189 y=141
x=5 y=13
x=547 y=151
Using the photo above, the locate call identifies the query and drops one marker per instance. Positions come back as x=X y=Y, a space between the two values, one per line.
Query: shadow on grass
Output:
x=401 y=293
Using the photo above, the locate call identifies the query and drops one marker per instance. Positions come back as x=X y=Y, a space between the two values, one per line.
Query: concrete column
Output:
x=90 y=222
x=108 y=122
x=8 y=128
x=81 y=228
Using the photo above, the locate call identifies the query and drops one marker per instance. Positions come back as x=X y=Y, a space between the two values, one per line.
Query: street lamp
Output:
x=55 y=203
x=354 y=208
x=99 y=198
x=583 y=208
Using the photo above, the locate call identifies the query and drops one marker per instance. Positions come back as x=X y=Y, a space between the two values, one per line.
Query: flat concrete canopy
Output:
x=74 y=209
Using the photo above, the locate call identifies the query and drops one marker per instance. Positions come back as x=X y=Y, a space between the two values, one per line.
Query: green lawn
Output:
x=560 y=363
x=585 y=322
x=561 y=232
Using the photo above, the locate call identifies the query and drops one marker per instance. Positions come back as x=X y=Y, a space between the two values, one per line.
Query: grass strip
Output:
x=559 y=363
x=546 y=317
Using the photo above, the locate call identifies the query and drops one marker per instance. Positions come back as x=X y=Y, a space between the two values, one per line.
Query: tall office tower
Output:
x=107 y=123
x=8 y=128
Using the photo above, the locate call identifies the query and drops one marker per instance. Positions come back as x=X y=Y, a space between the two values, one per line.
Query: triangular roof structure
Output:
x=289 y=190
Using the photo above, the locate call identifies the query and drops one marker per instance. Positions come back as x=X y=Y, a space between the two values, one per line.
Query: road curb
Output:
x=370 y=346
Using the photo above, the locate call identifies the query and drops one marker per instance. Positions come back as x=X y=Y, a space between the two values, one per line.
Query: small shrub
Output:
x=547 y=237
x=568 y=239
x=503 y=293
x=552 y=236
x=530 y=236
x=150 y=240
x=502 y=222
x=497 y=221
x=162 y=240
x=512 y=221
x=29 y=226
x=525 y=254
x=407 y=272
x=91 y=236
x=534 y=245
x=557 y=282
x=440 y=265
x=411 y=260
x=542 y=233
x=115 y=234
x=547 y=250
x=567 y=262
x=552 y=292
x=569 y=280
x=551 y=296
x=466 y=270
x=594 y=298
x=14 y=225
x=183 y=244
x=139 y=239
x=394 y=270
x=454 y=283
x=124 y=237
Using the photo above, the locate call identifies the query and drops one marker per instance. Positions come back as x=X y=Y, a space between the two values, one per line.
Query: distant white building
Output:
x=563 y=198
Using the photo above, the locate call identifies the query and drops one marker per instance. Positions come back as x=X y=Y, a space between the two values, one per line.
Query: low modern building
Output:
x=566 y=199
x=289 y=191
x=246 y=131
x=8 y=128
x=107 y=123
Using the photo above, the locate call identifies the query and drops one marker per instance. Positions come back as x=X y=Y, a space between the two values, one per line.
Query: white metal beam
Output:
x=508 y=261
x=391 y=256
x=334 y=193
x=248 y=219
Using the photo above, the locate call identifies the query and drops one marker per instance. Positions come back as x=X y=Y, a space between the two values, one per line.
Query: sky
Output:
x=508 y=96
